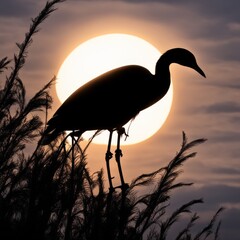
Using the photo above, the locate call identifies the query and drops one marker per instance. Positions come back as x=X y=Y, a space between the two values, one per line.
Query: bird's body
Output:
x=108 y=101
x=112 y=99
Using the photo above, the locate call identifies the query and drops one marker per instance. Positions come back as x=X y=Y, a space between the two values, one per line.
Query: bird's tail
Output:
x=49 y=137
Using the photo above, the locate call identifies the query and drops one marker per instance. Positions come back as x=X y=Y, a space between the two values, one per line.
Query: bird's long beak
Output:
x=199 y=70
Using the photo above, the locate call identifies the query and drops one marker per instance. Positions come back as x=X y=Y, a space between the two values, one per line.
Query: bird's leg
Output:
x=118 y=155
x=108 y=156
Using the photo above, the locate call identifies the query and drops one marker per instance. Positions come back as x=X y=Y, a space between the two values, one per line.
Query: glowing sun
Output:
x=101 y=54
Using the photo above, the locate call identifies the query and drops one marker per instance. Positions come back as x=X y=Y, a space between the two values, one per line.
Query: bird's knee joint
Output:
x=108 y=155
x=118 y=152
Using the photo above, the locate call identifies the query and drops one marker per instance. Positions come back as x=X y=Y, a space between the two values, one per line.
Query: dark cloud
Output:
x=235 y=119
x=230 y=224
x=225 y=49
x=214 y=196
x=223 y=107
x=231 y=83
x=226 y=170
x=220 y=194
x=219 y=8
x=225 y=136
x=215 y=23
x=214 y=8
x=17 y=8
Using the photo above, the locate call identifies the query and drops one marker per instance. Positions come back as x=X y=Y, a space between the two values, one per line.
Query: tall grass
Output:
x=51 y=194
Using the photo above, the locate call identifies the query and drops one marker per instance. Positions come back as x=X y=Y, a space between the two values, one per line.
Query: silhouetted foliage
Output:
x=51 y=193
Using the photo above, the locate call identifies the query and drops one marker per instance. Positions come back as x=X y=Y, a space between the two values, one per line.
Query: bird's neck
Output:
x=162 y=74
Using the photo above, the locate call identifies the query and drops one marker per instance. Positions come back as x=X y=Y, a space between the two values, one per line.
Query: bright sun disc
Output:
x=101 y=54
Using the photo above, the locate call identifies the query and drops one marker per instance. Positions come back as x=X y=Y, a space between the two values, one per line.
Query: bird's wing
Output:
x=112 y=98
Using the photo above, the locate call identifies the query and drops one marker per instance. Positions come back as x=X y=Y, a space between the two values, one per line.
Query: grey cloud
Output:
x=225 y=137
x=235 y=119
x=17 y=8
x=214 y=196
x=224 y=107
x=219 y=8
x=230 y=224
x=231 y=83
x=227 y=51
x=226 y=170
x=210 y=20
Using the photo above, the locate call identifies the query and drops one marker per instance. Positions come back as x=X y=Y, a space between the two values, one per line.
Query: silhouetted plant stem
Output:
x=165 y=185
x=165 y=226
x=71 y=192
x=207 y=231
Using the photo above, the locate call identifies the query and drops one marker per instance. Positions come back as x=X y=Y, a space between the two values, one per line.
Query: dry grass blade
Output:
x=166 y=225
x=208 y=230
x=3 y=64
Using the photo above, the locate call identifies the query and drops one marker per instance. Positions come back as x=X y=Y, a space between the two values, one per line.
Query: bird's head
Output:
x=185 y=58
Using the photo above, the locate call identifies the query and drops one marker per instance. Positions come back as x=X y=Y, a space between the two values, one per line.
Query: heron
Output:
x=112 y=99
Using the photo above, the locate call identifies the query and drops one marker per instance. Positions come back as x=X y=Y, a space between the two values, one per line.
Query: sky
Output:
x=202 y=108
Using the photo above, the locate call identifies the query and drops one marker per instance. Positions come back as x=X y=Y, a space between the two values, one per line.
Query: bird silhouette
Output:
x=110 y=100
